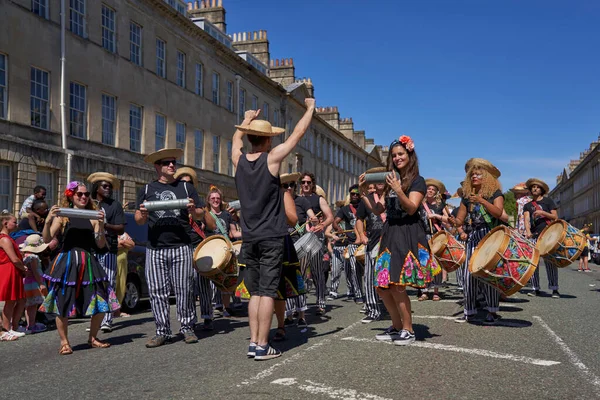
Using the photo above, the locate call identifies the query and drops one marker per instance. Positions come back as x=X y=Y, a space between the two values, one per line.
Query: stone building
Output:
x=577 y=191
x=141 y=75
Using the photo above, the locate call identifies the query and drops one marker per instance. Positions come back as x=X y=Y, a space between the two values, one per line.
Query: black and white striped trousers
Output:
x=371 y=297
x=319 y=271
x=551 y=271
x=205 y=291
x=349 y=266
x=108 y=262
x=298 y=303
x=472 y=285
x=460 y=272
x=166 y=269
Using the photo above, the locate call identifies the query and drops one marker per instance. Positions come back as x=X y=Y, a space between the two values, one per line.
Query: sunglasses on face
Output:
x=106 y=186
x=81 y=194
x=214 y=199
x=166 y=163
x=288 y=185
x=307 y=182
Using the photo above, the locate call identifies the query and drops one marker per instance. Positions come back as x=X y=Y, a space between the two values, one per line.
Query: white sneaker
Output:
x=405 y=338
x=17 y=333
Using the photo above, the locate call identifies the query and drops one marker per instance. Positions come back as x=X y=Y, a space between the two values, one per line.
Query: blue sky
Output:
x=513 y=81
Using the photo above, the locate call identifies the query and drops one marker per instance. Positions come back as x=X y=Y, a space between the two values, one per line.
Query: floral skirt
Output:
x=78 y=286
x=404 y=257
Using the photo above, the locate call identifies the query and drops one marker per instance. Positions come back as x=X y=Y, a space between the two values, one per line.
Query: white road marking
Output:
x=456 y=349
x=498 y=323
x=269 y=371
x=331 y=392
x=573 y=358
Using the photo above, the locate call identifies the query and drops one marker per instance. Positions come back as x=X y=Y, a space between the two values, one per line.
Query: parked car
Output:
x=595 y=249
x=136 y=287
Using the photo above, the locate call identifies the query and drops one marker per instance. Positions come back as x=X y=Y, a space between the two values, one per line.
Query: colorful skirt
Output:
x=404 y=257
x=78 y=286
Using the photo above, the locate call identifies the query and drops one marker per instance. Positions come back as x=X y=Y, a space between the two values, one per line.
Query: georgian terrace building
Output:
x=141 y=75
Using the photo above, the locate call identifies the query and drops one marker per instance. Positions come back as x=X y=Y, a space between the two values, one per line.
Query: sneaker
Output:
x=156 y=341
x=226 y=314
x=555 y=294
x=87 y=329
x=534 y=293
x=289 y=321
x=320 y=311
x=359 y=300
x=302 y=323
x=464 y=318
x=208 y=325
x=106 y=328
x=332 y=296
x=368 y=319
x=388 y=335
x=18 y=333
x=266 y=353
x=363 y=310
x=38 y=327
x=405 y=338
x=190 y=337
x=490 y=319
x=251 y=350
x=24 y=330
x=588 y=270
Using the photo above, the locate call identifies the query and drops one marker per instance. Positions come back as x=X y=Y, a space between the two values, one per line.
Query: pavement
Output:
x=542 y=348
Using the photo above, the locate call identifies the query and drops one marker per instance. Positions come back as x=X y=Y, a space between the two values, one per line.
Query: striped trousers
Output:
x=460 y=272
x=551 y=271
x=204 y=287
x=319 y=272
x=349 y=266
x=371 y=298
x=108 y=262
x=298 y=303
x=472 y=285
x=166 y=269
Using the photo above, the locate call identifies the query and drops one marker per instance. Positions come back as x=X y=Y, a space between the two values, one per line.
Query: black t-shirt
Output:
x=475 y=214
x=302 y=207
x=225 y=219
x=348 y=216
x=315 y=202
x=437 y=208
x=396 y=215
x=113 y=212
x=374 y=223
x=538 y=223
x=168 y=228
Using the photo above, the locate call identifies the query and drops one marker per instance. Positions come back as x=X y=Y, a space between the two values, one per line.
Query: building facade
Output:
x=577 y=191
x=141 y=75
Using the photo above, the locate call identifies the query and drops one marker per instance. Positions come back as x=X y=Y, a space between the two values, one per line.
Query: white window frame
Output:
x=39 y=98
x=135 y=130
x=265 y=111
x=76 y=26
x=40 y=6
x=242 y=103
x=135 y=48
x=109 y=29
x=4 y=86
x=230 y=96
x=50 y=184
x=160 y=132
x=216 y=84
x=216 y=153
x=161 y=57
x=198 y=148
x=109 y=119
x=180 y=139
x=180 y=69
x=6 y=182
x=77 y=110
x=199 y=79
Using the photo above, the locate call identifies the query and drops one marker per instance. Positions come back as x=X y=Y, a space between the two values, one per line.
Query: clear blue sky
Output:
x=513 y=81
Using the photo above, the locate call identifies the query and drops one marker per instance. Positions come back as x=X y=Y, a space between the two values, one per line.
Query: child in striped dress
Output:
x=35 y=287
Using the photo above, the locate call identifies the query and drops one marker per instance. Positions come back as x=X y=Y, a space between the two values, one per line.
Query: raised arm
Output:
x=281 y=151
x=237 y=143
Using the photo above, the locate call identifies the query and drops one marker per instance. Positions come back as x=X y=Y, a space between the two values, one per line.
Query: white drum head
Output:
x=211 y=255
x=487 y=250
x=552 y=235
x=237 y=247
x=438 y=242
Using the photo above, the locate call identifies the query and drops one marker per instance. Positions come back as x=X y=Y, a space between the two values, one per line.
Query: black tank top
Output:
x=79 y=234
x=314 y=200
x=261 y=198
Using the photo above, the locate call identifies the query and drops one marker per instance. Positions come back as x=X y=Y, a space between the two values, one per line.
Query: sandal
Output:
x=65 y=349
x=436 y=297
x=96 y=344
x=423 y=297
x=279 y=335
x=8 y=337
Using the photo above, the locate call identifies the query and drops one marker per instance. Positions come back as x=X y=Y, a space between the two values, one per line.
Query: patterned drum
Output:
x=561 y=243
x=308 y=245
x=449 y=253
x=359 y=254
x=505 y=260
x=214 y=258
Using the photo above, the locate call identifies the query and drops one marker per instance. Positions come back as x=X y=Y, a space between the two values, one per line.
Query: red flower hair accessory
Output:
x=407 y=142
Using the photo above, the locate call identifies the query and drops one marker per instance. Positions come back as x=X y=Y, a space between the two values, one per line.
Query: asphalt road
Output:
x=543 y=348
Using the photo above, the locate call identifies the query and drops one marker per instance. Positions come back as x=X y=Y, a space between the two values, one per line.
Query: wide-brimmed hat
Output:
x=288 y=178
x=162 y=154
x=535 y=181
x=33 y=244
x=340 y=203
x=376 y=170
x=519 y=188
x=320 y=192
x=438 y=184
x=186 y=171
x=483 y=163
x=260 y=127
x=104 y=176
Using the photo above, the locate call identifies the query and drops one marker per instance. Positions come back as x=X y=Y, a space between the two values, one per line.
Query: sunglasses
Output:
x=106 y=186
x=307 y=182
x=81 y=194
x=166 y=163
x=288 y=185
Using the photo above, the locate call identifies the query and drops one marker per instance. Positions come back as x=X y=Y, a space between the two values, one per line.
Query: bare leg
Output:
x=7 y=314
x=225 y=299
x=30 y=315
x=17 y=312
x=253 y=317
x=280 y=313
x=585 y=263
x=62 y=326
x=391 y=306
x=265 y=317
x=95 y=325
x=403 y=303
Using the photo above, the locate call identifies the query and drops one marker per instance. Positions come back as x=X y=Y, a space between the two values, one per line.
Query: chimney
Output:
x=212 y=10
x=309 y=86
x=347 y=128
x=359 y=138
x=283 y=71
x=253 y=42
x=330 y=115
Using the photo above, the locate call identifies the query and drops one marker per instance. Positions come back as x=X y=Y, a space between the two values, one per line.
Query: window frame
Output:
x=216 y=153
x=180 y=133
x=4 y=88
x=51 y=190
x=230 y=170
x=107 y=29
x=81 y=14
x=199 y=161
x=199 y=85
x=76 y=111
x=132 y=128
x=216 y=95
x=161 y=63
x=106 y=122
x=45 y=6
x=137 y=55
x=157 y=135
x=230 y=99
x=11 y=185
x=241 y=103
x=180 y=75
x=46 y=111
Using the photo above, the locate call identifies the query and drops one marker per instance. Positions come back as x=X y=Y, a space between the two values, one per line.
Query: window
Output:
x=215 y=88
x=39 y=98
x=180 y=69
x=161 y=55
x=330 y=152
x=47 y=179
x=242 y=105
x=254 y=102
x=229 y=161
x=135 y=43
x=265 y=111
x=135 y=128
x=216 y=151
x=108 y=28
x=198 y=147
x=275 y=117
x=6 y=185
x=318 y=146
x=180 y=139
x=160 y=132
x=199 y=80
x=40 y=7
x=77 y=16
x=290 y=168
x=311 y=141
x=109 y=114
x=77 y=110
x=3 y=91
x=230 y=96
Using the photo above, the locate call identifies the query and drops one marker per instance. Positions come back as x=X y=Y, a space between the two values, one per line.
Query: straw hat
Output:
x=162 y=154
x=438 y=184
x=104 y=176
x=260 y=127
x=320 y=192
x=483 y=163
x=33 y=244
x=519 y=188
x=535 y=181
x=340 y=203
x=288 y=178
x=186 y=171
x=375 y=170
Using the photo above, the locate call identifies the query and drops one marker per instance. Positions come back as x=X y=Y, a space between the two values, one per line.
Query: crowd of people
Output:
x=73 y=263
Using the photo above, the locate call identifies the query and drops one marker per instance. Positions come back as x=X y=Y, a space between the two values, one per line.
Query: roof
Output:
x=293 y=86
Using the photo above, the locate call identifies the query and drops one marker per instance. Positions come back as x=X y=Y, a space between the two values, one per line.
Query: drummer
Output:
x=522 y=197
x=538 y=214
x=169 y=248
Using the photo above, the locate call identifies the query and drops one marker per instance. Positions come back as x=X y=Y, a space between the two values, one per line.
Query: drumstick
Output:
x=304 y=224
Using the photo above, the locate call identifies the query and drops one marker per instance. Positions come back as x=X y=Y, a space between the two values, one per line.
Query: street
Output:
x=542 y=348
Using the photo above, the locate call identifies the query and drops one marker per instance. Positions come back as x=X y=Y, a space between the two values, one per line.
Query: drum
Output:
x=505 y=260
x=214 y=258
x=359 y=254
x=449 y=253
x=308 y=245
x=561 y=243
x=237 y=247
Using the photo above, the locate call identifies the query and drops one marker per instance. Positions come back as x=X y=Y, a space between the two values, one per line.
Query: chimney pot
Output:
x=190 y=6
x=202 y=4
x=255 y=35
x=214 y=3
x=220 y=3
x=244 y=36
x=291 y=61
x=277 y=62
x=196 y=4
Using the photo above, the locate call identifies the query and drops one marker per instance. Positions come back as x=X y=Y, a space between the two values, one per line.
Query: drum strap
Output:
x=539 y=208
x=196 y=228
x=220 y=226
x=429 y=212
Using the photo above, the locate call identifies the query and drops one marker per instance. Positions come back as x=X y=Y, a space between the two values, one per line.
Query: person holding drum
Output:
x=404 y=257
x=483 y=204
x=585 y=254
x=522 y=197
x=169 y=254
x=263 y=218
x=538 y=213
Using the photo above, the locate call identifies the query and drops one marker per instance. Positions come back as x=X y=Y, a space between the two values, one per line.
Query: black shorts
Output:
x=585 y=252
x=264 y=260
